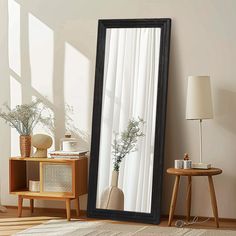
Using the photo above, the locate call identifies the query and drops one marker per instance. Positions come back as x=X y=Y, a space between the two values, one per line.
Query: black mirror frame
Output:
x=154 y=217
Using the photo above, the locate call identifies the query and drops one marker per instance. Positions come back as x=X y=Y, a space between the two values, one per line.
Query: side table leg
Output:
x=213 y=200
x=20 y=203
x=68 y=209
x=189 y=196
x=173 y=199
x=31 y=206
x=77 y=207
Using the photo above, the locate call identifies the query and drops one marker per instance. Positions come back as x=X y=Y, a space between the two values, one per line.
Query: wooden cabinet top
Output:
x=55 y=160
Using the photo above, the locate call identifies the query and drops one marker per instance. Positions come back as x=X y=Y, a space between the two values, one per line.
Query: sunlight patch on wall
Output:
x=16 y=98
x=76 y=84
x=14 y=36
x=41 y=57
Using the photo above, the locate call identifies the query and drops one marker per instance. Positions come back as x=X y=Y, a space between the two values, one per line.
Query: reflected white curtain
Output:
x=130 y=91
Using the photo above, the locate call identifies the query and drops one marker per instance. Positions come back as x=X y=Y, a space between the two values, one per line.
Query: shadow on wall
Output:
x=50 y=58
x=225 y=109
x=44 y=64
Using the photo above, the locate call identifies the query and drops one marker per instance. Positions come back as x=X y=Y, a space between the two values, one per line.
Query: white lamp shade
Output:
x=199 y=99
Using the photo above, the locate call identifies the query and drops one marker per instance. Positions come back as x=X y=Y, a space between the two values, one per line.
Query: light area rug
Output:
x=99 y=228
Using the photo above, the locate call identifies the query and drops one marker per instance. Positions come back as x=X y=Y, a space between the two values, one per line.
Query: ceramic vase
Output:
x=113 y=198
x=25 y=145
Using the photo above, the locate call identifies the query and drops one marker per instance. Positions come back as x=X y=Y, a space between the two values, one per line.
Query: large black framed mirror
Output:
x=129 y=113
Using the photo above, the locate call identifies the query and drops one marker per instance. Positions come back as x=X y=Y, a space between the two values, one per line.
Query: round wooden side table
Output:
x=189 y=173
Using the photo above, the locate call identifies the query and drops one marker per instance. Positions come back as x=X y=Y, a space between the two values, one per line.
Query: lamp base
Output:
x=201 y=166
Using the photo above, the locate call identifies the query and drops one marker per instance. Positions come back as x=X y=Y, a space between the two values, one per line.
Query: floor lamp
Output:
x=199 y=107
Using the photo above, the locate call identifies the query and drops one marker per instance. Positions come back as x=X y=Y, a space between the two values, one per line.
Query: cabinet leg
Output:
x=213 y=200
x=173 y=200
x=20 y=203
x=31 y=206
x=68 y=209
x=189 y=196
x=77 y=206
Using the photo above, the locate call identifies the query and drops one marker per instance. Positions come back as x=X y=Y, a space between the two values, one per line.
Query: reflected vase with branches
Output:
x=122 y=146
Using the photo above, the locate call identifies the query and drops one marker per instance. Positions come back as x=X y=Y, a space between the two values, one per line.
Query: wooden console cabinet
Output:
x=60 y=179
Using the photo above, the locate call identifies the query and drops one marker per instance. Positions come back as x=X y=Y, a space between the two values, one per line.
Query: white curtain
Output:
x=130 y=91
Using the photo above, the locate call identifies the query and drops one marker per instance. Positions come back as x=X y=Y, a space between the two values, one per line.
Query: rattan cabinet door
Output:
x=57 y=178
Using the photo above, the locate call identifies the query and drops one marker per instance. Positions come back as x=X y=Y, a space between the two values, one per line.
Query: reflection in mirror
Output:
x=126 y=150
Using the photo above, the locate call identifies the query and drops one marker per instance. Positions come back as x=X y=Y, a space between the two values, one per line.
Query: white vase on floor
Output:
x=113 y=198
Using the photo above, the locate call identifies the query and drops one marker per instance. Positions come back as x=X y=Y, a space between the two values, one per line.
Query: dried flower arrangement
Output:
x=25 y=117
x=126 y=143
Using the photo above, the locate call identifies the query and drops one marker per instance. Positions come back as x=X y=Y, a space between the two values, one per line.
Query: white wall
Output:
x=48 y=49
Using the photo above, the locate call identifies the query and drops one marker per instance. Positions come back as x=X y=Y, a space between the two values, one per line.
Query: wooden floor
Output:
x=10 y=224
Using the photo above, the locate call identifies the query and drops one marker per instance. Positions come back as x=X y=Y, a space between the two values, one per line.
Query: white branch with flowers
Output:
x=25 y=117
x=126 y=142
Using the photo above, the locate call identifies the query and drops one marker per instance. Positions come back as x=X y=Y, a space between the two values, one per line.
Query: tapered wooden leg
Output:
x=189 y=196
x=173 y=200
x=77 y=207
x=32 y=205
x=213 y=200
x=68 y=209
x=20 y=203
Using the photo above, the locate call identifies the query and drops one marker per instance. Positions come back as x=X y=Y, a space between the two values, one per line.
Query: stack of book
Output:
x=68 y=155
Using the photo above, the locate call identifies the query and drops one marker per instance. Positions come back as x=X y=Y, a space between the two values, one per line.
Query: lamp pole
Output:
x=200 y=136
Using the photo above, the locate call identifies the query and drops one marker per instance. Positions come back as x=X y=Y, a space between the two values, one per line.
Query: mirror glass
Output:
x=128 y=118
